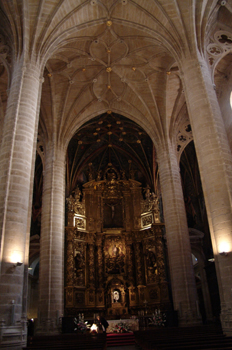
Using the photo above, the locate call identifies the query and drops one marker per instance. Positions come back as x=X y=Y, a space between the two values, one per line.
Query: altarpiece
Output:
x=115 y=260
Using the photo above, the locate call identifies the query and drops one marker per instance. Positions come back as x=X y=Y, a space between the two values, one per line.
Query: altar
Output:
x=117 y=326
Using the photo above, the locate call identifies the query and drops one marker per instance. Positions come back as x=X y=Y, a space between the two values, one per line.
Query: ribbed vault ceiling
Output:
x=122 y=55
x=110 y=140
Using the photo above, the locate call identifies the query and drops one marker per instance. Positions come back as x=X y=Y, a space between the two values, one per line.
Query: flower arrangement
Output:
x=158 y=318
x=81 y=326
x=119 y=327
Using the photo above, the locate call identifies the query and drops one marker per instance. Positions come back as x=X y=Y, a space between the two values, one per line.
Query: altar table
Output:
x=133 y=323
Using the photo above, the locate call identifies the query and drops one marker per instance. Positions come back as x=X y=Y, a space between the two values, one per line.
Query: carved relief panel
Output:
x=150 y=260
x=79 y=263
x=115 y=254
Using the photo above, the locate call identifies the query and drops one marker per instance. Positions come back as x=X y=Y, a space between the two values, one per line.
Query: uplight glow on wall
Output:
x=16 y=257
x=224 y=247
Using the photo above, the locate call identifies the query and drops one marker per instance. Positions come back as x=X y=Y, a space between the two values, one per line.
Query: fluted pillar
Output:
x=178 y=241
x=51 y=287
x=215 y=165
x=17 y=157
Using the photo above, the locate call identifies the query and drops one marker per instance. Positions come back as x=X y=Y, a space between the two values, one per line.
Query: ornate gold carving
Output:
x=69 y=262
x=130 y=269
x=80 y=299
x=80 y=235
x=79 y=263
x=160 y=256
x=69 y=296
x=114 y=255
x=91 y=265
x=74 y=204
x=146 y=220
x=150 y=205
x=100 y=259
x=79 y=222
x=154 y=294
x=139 y=265
x=151 y=261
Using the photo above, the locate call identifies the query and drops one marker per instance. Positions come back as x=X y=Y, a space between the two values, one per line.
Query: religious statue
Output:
x=99 y=175
x=123 y=175
x=79 y=267
x=115 y=296
x=147 y=192
x=70 y=200
x=90 y=172
x=77 y=194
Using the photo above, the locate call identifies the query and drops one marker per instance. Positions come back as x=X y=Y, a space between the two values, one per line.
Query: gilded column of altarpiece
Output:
x=115 y=258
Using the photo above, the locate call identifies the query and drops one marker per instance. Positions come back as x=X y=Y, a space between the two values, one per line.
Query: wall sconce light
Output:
x=14 y=265
x=17 y=264
x=224 y=248
x=223 y=253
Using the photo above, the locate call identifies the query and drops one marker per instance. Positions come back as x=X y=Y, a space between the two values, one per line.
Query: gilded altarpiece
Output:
x=115 y=249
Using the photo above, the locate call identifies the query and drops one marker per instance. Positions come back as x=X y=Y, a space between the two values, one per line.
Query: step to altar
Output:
x=120 y=339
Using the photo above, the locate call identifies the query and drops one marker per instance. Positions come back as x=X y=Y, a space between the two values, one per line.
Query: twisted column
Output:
x=99 y=262
x=139 y=264
x=91 y=265
x=130 y=268
x=70 y=259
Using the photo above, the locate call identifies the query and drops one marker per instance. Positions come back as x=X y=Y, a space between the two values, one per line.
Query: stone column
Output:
x=51 y=288
x=17 y=157
x=206 y=295
x=178 y=241
x=215 y=165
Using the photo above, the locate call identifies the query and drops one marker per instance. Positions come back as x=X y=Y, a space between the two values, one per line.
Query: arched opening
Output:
x=201 y=246
x=114 y=230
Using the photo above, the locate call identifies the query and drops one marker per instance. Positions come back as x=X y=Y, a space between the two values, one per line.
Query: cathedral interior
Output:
x=114 y=226
x=115 y=162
